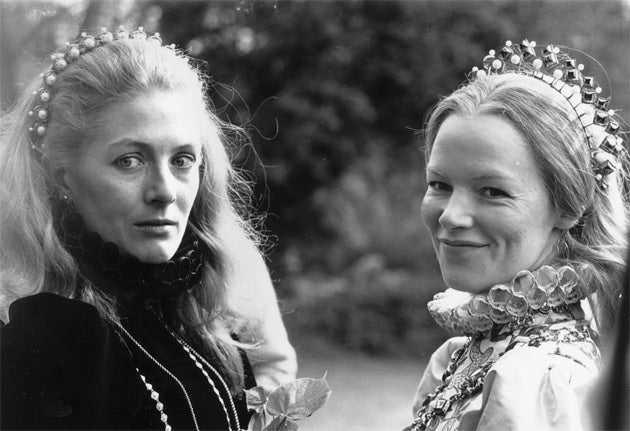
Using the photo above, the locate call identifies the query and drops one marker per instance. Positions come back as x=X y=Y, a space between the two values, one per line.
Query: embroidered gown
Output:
x=531 y=374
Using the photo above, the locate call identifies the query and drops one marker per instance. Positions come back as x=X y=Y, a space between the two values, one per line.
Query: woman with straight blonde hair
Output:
x=527 y=210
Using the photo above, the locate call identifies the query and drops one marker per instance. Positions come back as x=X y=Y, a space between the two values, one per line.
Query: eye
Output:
x=184 y=161
x=493 y=193
x=439 y=186
x=129 y=162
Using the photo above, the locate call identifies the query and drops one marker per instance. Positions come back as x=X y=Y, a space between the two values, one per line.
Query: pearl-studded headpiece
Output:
x=562 y=73
x=40 y=113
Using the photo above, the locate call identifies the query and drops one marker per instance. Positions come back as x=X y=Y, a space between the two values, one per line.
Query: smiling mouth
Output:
x=454 y=243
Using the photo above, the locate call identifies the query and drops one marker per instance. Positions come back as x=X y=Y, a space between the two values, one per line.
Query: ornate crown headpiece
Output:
x=40 y=113
x=562 y=73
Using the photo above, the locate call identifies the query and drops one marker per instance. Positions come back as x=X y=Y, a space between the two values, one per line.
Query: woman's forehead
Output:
x=481 y=146
x=151 y=117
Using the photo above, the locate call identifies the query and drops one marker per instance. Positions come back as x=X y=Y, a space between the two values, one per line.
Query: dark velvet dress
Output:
x=64 y=367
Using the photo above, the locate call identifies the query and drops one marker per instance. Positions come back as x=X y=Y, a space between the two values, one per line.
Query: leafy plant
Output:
x=281 y=408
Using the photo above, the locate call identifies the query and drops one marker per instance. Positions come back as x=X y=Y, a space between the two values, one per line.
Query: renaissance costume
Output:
x=523 y=365
x=528 y=354
x=65 y=367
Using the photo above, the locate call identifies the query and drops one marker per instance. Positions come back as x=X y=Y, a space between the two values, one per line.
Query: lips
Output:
x=156 y=223
x=156 y=227
x=460 y=243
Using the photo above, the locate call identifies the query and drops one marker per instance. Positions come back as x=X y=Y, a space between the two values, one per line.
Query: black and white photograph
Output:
x=315 y=215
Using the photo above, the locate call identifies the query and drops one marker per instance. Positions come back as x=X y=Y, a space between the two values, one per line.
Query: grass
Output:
x=368 y=393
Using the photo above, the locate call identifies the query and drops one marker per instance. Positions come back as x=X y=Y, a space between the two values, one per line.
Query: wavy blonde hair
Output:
x=32 y=257
x=596 y=245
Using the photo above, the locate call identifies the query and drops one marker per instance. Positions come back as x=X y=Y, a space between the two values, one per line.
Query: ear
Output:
x=60 y=177
x=566 y=221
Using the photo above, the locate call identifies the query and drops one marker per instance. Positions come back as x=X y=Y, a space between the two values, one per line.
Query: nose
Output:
x=160 y=187
x=458 y=213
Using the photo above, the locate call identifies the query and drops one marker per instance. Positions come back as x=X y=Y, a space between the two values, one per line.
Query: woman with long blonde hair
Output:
x=139 y=299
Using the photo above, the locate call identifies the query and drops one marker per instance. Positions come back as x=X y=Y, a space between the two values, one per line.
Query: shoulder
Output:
x=47 y=303
x=46 y=315
x=47 y=327
x=63 y=367
x=47 y=330
x=571 y=363
x=536 y=388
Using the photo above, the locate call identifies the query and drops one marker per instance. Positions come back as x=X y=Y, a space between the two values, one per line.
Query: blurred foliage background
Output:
x=334 y=94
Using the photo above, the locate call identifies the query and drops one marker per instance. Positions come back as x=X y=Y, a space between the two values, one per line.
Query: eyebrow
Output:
x=487 y=175
x=127 y=143
x=492 y=175
x=123 y=143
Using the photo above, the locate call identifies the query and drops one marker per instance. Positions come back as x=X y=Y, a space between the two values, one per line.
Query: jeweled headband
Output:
x=40 y=113
x=562 y=73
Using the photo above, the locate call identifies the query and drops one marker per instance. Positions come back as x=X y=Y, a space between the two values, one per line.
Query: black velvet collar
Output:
x=101 y=262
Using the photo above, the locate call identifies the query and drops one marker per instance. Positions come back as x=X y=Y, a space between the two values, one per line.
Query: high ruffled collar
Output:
x=545 y=296
x=101 y=263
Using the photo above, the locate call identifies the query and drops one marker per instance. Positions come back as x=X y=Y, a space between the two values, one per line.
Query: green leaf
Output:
x=299 y=399
x=281 y=423
x=257 y=421
x=257 y=397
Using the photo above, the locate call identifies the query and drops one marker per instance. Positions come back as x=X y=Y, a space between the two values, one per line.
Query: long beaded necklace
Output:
x=196 y=357
x=193 y=355
x=154 y=394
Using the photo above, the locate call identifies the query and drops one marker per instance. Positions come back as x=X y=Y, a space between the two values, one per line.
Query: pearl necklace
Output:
x=154 y=394
x=193 y=355
x=196 y=357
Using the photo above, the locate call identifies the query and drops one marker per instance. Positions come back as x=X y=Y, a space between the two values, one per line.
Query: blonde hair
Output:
x=32 y=257
x=596 y=245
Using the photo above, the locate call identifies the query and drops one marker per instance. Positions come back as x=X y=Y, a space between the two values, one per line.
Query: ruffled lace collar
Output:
x=545 y=296
x=101 y=262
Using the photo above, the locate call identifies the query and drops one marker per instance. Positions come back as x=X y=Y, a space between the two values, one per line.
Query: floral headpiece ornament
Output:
x=562 y=73
x=40 y=113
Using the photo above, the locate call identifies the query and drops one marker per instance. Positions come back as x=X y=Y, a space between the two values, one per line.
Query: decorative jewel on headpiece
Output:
x=40 y=113
x=560 y=71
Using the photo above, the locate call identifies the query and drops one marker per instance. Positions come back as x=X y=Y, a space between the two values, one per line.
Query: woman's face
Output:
x=136 y=179
x=486 y=205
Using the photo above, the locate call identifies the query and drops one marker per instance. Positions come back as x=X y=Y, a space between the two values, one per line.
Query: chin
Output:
x=153 y=254
x=465 y=283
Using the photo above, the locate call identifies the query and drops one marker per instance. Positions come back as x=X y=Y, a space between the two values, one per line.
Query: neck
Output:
x=128 y=279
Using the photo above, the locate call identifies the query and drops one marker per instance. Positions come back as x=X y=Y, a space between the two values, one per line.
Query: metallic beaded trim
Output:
x=163 y=368
x=561 y=72
x=437 y=404
x=156 y=397
x=193 y=355
x=196 y=357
